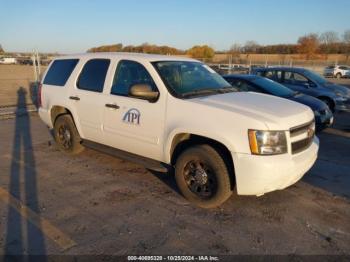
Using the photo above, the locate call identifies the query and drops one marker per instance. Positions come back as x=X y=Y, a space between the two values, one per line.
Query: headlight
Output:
x=341 y=99
x=267 y=142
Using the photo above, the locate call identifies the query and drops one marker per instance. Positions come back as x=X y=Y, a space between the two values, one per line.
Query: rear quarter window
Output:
x=59 y=72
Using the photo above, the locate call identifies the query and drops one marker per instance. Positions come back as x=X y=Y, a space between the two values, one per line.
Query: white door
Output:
x=132 y=124
x=87 y=99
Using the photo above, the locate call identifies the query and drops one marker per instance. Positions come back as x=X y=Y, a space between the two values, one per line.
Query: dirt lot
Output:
x=12 y=77
x=51 y=203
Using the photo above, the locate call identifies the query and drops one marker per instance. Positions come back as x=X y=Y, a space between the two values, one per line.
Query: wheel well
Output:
x=183 y=141
x=56 y=111
x=328 y=99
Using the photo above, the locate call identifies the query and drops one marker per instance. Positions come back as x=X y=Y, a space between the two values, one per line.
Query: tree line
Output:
x=311 y=44
x=198 y=51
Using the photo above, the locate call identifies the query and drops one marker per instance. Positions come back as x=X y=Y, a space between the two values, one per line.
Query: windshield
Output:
x=272 y=87
x=186 y=78
x=315 y=77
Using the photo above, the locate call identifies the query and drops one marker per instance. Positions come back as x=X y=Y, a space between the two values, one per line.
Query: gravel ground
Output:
x=109 y=206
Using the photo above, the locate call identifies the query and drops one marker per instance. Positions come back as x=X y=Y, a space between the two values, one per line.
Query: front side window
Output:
x=294 y=78
x=60 y=71
x=93 y=75
x=187 y=78
x=129 y=73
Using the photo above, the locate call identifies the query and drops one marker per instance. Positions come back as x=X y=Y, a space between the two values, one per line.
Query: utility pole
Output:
x=36 y=65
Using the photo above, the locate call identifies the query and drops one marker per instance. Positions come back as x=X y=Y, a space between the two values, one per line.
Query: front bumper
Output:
x=257 y=175
x=343 y=105
x=323 y=121
x=328 y=74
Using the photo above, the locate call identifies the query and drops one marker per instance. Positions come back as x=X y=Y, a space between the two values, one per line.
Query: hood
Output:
x=277 y=113
x=338 y=88
x=312 y=102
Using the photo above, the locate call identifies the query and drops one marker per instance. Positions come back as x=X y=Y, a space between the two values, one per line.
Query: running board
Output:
x=144 y=161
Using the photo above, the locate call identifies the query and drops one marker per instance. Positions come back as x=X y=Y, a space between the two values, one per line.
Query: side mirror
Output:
x=309 y=85
x=312 y=84
x=143 y=91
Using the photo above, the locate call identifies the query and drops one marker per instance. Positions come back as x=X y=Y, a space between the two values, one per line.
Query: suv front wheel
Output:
x=66 y=135
x=203 y=177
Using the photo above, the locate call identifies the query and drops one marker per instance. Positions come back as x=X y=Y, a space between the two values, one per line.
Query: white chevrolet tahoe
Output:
x=172 y=112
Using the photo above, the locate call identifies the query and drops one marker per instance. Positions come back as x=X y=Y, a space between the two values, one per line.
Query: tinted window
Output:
x=130 y=73
x=294 y=78
x=59 y=72
x=274 y=75
x=242 y=85
x=273 y=87
x=93 y=75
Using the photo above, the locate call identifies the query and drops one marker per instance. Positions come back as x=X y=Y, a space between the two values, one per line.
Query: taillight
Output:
x=39 y=95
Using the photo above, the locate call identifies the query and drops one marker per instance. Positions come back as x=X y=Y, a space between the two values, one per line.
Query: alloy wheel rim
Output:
x=200 y=179
x=64 y=136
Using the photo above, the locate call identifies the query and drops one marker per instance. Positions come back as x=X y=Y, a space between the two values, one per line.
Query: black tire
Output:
x=67 y=136
x=215 y=182
x=338 y=75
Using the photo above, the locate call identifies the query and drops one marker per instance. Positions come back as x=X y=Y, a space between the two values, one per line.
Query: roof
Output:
x=125 y=55
x=292 y=69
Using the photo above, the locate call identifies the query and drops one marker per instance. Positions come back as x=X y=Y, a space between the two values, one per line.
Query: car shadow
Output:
x=22 y=237
x=167 y=178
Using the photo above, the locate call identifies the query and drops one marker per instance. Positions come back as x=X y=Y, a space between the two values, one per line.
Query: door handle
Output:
x=74 y=98
x=114 y=106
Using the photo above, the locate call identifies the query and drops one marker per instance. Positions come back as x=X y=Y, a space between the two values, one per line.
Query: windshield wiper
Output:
x=200 y=92
x=227 y=89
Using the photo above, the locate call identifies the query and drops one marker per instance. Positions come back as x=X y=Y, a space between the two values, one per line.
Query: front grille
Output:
x=301 y=145
x=295 y=131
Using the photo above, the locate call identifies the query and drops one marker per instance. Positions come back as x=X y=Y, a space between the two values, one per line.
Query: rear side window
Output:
x=59 y=72
x=93 y=75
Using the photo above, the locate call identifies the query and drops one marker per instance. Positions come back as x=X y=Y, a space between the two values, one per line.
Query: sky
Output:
x=73 y=26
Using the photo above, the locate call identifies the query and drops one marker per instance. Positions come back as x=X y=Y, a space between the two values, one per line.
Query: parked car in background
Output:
x=8 y=60
x=305 y=81
x=253 y=83
x=337 y=71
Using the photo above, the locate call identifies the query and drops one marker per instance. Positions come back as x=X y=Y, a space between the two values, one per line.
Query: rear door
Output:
x=132 y=124
x=87 y=98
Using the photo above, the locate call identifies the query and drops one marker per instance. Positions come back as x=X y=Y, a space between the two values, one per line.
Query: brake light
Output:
x=39 y=95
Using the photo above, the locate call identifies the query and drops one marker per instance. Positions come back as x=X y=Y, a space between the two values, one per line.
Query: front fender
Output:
x=211 y=135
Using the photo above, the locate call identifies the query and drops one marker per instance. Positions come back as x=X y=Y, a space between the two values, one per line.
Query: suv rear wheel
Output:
x=203 y=177
x=66 y=135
